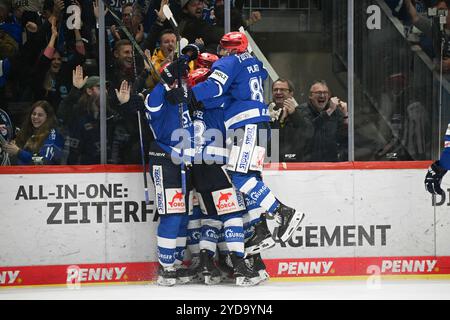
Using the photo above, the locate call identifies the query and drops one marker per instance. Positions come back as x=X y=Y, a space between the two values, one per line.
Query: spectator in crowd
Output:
x=161 y=56
x=132 y=18
x=52 y=76
x=329 y=119
x=80 y=113
x=432 y=30
x=116 y=6
x=192 y=26
x=34 y=21
x=236 y=16
x=126 y=66
x=7 y=134
x=9 y=48
x=285 y=117
x=8 y=23
x=38 y=141
x=4 y=70
x=158 y=28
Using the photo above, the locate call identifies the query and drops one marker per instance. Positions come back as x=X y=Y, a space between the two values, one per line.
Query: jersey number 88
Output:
x=256 y=89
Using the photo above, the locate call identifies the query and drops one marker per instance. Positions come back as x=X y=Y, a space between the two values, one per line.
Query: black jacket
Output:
x=330 y=138
x=293 y=133
x=192 y=28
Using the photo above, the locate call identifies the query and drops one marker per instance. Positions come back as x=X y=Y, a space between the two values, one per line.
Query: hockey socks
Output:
x=252 y=186
x=233 y=230
x=210 y=234
x=194 y=231
x=167 y=234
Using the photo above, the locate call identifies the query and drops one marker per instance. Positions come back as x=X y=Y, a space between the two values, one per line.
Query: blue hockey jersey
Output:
x=209 y=130
x=164 y=121
x=240 y=76
x=50 y=152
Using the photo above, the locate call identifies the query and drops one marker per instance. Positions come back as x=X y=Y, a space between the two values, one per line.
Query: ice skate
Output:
x=260 y=267
x=184 y=274
x=226 y=268
x=209 y=269
x=245 y=277
x=195 y=269
x=167 y=276
x=289 y=220
x=260 y=240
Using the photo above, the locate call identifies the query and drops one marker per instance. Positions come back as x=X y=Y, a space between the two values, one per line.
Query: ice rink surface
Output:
x=323 y=290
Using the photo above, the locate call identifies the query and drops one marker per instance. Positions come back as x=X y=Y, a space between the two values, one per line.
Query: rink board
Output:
x=90 y=224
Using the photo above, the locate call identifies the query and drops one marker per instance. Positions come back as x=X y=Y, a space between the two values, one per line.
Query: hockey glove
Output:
x=170 y=72
x=176 y=96
x=434 y=177
x=192 y=50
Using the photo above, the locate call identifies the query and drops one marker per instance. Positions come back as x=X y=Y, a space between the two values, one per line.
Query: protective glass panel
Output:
x=305 y=43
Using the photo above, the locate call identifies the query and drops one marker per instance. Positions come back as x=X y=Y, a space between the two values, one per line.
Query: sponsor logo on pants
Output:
x=226 y=201
x=175 y=201
x=159 y=188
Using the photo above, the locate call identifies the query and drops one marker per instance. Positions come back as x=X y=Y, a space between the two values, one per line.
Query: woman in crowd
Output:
x=38 y=141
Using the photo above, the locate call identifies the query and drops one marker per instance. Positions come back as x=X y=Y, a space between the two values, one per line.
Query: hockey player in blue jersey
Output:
x=240 y=76
x=166 y=154
x=223 y=205
x=259 y=238
x=439 y=168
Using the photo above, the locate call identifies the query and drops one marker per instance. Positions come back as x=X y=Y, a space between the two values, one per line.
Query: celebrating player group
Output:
x=206 y=164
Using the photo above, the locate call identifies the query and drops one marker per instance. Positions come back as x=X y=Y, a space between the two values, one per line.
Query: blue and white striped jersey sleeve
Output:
x=154 y=102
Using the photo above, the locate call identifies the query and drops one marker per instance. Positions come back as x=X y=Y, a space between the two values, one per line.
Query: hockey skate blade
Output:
x=184 y=280
x=198 y=278
x=264 y=245
x=247 y=282
x=166 y=282
x=212 y=281
x=295 y=222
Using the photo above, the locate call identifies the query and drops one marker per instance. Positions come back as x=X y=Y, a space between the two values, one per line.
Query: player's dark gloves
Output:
x=192 y=50
x=170 y=72
x=178 y=95
x=434 y=177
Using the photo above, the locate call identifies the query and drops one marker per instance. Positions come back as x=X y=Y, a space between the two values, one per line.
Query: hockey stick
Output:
x=169 y=15
x=441 y=70
x=139 y=50
x=144 y=171
x=141 y=141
